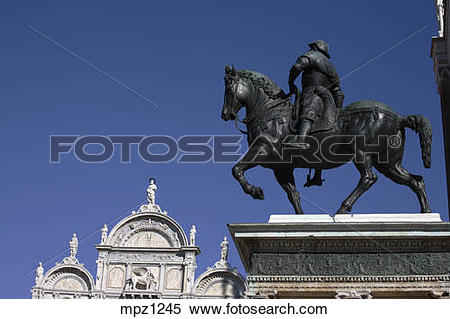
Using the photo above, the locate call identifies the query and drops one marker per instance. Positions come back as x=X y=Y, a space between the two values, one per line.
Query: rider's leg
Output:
x=305 y=128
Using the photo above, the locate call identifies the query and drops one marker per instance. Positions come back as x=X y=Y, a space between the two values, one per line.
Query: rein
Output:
x=258 y=113
x=236 y=120
x=247 y=121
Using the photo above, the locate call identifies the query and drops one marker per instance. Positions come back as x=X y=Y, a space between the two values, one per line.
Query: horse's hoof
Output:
x=257 y=193
x=341 y=210
x=427 y=211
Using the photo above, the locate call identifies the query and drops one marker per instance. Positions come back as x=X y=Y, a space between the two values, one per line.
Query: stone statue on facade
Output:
x=73 y=246
x=192 y=233
x=223 y=262
x=440 y=12
x=224 y=249
x=151 y=206
x=321 y=134
x=104 y=234
x=39 y=274
x=151 y=192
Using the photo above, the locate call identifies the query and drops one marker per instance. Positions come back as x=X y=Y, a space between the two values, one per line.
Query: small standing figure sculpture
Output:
x=104 y=234
x=224 y=250
x=151 y=206
x=39 y=274
x=440 y=16
x=73 y=246
x=151 y=192
x=223 y=262
x=192 y=233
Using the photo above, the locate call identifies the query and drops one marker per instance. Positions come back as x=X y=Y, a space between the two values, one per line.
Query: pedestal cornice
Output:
x=300 y=255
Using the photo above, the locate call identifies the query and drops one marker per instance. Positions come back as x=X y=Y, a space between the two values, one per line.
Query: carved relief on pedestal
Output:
x=353 y=295
x=174 y=278
x=344 y=264
x=439 y=294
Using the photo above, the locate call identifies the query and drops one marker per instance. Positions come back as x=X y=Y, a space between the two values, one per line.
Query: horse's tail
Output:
x=422 y=126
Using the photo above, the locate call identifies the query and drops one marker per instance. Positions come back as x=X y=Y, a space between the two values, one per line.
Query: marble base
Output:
x=349 y=256
x=357 y=218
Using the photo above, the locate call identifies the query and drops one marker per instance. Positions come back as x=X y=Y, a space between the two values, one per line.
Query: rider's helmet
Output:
x=321 y=46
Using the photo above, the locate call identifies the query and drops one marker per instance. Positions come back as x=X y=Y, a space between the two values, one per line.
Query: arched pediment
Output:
x=220 y=283
x=68 y=278
x=148 y=237
x=149 y=230
x=71 y=283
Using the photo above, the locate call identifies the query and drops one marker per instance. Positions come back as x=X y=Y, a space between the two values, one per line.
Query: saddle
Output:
x=326 y=116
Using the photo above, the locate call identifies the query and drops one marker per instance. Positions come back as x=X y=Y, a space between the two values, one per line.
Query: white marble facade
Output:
x=440 y=47
x=146 y=255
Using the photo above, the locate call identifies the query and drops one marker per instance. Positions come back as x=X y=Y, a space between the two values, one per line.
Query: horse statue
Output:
x=368 y=133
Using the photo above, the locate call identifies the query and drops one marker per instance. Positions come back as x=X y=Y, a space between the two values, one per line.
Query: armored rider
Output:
x=321 y=91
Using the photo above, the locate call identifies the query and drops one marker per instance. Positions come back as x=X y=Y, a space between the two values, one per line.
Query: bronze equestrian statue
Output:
x=368 y=133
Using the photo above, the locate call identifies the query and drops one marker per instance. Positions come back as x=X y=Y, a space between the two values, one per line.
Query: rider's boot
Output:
x=300 y=139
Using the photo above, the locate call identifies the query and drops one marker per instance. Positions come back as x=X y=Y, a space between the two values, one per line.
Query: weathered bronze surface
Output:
x=282 y=138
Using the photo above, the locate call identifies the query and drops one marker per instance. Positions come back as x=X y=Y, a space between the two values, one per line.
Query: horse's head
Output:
x=236 y=93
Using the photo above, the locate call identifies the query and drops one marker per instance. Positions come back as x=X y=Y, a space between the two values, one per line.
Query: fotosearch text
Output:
x=216 y=148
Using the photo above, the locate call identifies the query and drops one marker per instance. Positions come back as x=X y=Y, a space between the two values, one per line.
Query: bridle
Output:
x=231 y=87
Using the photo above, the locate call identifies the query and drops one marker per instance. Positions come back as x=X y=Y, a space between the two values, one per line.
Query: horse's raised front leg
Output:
x=286 y=179
x=368 y=178
x=238 y=173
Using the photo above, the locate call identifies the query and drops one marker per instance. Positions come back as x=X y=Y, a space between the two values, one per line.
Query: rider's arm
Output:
x=301 y=64
x=337 y=94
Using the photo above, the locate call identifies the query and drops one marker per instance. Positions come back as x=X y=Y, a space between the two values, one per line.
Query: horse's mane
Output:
x=261 y=81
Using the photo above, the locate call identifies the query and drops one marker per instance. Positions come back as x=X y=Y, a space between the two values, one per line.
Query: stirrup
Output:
x=296 y=143
x=312 y=181
x=303 y=146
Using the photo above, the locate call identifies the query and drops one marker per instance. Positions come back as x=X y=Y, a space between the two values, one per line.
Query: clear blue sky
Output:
x=174 y=54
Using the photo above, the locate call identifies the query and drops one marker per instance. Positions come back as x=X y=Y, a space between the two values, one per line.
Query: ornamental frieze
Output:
x=351 y=264
x=349 y=245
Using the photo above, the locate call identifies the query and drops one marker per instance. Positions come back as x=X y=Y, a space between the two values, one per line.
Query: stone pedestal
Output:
x=359 y=256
